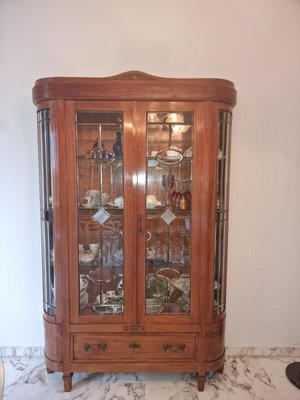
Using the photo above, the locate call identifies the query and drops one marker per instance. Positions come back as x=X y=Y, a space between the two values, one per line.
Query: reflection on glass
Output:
x=100 y=197
x=43 y=118
x=221 y=220
x=168 y=206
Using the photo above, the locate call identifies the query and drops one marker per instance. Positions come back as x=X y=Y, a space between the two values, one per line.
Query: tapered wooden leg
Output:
x=201 y=382
x=49 y=371
x=67 y=382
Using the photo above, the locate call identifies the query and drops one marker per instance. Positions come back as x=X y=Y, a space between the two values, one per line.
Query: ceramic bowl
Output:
x=87 y=257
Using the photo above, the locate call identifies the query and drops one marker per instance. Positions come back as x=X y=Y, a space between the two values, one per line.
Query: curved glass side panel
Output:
x=168 y=211
x=100 y=205
x=221 y=216
x=46 y=200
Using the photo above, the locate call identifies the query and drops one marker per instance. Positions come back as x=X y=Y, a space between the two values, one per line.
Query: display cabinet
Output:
x=134 y=181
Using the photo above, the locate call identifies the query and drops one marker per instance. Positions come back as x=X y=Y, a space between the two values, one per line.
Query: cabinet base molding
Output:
x=230 y=351
x=215 y=365
x=53 y=366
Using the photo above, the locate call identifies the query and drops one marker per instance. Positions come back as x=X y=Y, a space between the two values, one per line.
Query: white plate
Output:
x=84 y=299
x=112 y=205
x=154 y=308
x=151 y=206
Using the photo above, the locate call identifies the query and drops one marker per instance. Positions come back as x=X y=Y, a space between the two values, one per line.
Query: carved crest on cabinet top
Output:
x=135 y=76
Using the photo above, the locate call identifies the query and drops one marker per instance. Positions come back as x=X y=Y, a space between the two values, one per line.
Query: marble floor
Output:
x=245 y=377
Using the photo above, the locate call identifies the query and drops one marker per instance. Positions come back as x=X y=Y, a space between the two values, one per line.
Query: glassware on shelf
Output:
x=160 y=255
x=167 y=183
x=100 y=276
x=167 y=275
x=117 y=147
x=94 y=198
x=181 y=197
x=99 y=154
x=84 y=296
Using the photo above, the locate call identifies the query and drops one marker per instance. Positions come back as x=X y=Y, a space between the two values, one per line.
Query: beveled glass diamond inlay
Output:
x=168 y=216
x=101 y=216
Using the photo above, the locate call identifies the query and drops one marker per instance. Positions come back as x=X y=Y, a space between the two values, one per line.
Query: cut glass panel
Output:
x=46 y=201
x=100 y=197
x=168 y=207
x=168 y=216
x=221 y=219
x=101 y=216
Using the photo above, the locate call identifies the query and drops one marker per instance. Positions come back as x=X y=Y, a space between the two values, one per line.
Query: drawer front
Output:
x=134 y=347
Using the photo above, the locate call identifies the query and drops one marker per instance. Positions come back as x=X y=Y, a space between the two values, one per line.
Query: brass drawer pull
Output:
x=134 y=346
x=86 y=346
x=182 y=347
x=102 y=346
x=167 y=347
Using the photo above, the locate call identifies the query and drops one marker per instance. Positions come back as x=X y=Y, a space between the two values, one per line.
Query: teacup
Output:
x=91 y=198
x=111 y=293
x=94 y=247
x=152 y=201
x=188 y=152
x=119 y=201
x=150 y=253
x=104 y=198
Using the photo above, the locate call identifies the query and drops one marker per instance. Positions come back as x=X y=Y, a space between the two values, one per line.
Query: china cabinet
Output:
x=134 y=178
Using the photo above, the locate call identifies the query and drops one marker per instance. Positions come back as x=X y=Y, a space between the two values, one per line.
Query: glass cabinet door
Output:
x=100 y=204
x=169 y=156
x=46 y=203
x=221 y=215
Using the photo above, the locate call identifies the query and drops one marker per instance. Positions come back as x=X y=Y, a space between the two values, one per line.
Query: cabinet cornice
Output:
x=134 y=85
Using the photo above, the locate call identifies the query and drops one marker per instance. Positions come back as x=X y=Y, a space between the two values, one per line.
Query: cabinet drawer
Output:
x=134 y=347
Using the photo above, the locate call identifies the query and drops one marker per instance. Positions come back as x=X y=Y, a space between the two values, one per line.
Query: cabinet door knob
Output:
x=86 y=346
x=140 y=220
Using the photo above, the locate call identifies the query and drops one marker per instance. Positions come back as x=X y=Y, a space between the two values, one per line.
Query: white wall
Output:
x=256 y=44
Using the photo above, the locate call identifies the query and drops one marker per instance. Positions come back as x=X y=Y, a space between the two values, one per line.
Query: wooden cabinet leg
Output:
x=67 y=382
x=201 y=382
x=49 y=371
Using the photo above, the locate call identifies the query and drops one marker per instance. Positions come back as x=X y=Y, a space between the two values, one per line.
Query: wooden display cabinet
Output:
x=134 y=176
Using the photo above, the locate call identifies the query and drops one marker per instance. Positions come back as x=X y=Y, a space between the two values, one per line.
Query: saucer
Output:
x=154 y=205
x=107 y=309
x=171 y=157
x=86 y=257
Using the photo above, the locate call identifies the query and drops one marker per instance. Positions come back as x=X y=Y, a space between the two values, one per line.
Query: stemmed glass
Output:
x=168 y=184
